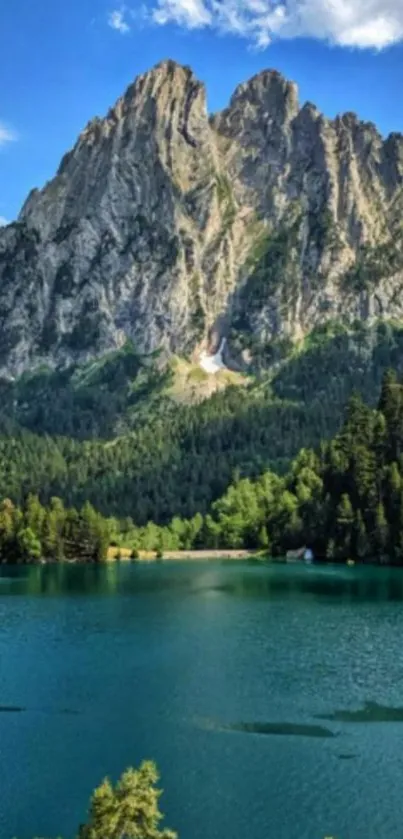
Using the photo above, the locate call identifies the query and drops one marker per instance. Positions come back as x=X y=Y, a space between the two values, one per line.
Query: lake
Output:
x=270 y=696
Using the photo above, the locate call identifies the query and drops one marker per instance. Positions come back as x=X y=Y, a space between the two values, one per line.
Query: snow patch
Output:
x=213 y=363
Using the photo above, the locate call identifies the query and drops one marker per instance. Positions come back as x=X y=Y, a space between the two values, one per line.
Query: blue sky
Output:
x=62 y=63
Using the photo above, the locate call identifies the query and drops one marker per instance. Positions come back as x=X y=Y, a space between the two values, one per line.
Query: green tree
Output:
x=128 y=810
x=29 y=546
x=358 y=423
x=94 y=533
x=344 y=526
x=53 y=530
x=285 y=523
x=360 y=538
x=150 y=537
x=380 y=533
x=34 y=514
x=7 y=529
x=264 y=541
x=211 y=533
x=391 y=406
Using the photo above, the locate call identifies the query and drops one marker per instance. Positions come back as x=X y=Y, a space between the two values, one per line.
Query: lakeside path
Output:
x=150 y=556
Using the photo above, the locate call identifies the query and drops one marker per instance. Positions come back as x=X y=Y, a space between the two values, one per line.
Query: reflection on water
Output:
x=248 y=580
x=59 y=578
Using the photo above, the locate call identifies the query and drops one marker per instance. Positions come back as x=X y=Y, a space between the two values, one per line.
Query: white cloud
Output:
x=352 y=23
x=7 y=135
x=117 y=20
x=3 y=221
x=192 y=14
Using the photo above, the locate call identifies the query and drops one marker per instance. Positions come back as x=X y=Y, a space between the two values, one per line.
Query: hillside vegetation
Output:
x=344 y=500
x=110 y=433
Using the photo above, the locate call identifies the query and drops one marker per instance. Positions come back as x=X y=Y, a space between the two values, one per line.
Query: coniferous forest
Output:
x=344 y=499
x=109 y=432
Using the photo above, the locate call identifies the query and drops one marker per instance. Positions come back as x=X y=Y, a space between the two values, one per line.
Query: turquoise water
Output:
x=271 y=697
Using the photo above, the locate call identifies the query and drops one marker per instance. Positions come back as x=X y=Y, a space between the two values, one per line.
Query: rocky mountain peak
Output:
x=175 y=231
x=268 y=87
x=266 y=96
x=166 y=80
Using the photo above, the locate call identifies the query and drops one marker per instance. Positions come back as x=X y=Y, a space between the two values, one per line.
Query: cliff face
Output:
x=174 y=229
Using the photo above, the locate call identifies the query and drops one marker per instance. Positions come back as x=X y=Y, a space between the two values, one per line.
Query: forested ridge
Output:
x=107 y=432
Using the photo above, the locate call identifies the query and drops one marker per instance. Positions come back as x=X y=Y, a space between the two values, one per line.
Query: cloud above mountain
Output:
x=117 y=21
x=7 y=135
x=363 y=24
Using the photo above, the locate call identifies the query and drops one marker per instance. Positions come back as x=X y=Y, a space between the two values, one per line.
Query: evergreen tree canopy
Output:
x=128 y=810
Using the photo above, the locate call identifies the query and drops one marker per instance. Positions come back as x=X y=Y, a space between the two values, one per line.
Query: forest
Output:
x=53 y=533
x=108 y=433
x=343 y=499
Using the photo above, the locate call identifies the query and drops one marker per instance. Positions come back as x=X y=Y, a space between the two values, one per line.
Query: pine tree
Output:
x=391 y=405
x=128 y=810
x=389 y=381
x=344 y=527
x=360 y=538
x=380 y=533
x=53 y=531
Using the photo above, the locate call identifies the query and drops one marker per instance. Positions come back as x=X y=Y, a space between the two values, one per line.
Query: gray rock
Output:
x=172 y=228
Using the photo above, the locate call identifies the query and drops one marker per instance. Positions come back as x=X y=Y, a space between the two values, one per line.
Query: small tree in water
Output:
x=128 y=810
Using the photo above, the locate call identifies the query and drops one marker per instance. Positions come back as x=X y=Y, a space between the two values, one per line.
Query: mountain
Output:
x=173 y=229
x=164 y=232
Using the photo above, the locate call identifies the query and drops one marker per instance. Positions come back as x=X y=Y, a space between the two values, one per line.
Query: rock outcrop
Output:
x=175 y=229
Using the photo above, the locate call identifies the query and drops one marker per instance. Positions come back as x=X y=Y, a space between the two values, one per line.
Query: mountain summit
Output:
x=176 y=229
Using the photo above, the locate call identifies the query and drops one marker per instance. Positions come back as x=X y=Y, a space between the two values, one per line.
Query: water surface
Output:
x=271 y=697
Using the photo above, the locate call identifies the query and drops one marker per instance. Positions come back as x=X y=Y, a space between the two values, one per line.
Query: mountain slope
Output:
x=172 y=459
x=174 y=229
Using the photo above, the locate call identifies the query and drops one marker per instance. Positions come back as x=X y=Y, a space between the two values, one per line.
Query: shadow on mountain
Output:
x=336 y=362
x=98 y=399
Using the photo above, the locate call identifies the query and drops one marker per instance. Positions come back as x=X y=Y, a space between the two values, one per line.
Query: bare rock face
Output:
x=174 y=230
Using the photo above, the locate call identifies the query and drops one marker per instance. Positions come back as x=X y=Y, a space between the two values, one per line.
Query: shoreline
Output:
x=149 y=557
x=169 y=556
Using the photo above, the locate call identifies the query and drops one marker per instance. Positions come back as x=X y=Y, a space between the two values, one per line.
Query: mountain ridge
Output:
x=173 y=228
